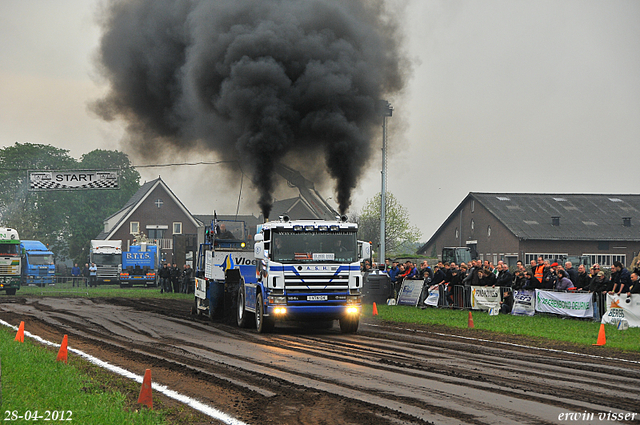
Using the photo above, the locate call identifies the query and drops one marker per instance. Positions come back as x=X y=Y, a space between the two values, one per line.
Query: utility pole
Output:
x=385 y=110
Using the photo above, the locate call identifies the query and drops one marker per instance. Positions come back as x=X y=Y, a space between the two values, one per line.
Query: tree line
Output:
x=63 y=220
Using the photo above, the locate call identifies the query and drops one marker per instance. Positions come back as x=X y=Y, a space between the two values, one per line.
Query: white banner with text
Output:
x=618 y=309
x=564 y=303
x=524 y=302
x=484 y=297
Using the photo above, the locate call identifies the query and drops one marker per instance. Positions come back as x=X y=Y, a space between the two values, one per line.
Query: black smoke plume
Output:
x=253 y=80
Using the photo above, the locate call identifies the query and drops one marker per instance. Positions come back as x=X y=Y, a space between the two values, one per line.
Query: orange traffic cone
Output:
x=602 y=340
x=20 y=333
x=145 y=391
x=375 y=309
x=62 y=353
x=470 y=324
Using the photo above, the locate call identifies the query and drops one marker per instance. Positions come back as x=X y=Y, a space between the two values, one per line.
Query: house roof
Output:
x=117 y=219
x=592 y=217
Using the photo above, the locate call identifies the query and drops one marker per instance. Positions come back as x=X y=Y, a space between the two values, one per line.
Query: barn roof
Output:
x=577 y=217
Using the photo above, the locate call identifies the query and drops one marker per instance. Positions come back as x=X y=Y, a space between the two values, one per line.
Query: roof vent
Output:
x=555 y=221
x=626 y=221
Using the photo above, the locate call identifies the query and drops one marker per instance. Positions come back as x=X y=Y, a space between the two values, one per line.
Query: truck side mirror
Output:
x=365 y=251
x=258 y=250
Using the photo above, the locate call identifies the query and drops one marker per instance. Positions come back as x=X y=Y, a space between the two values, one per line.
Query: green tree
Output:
x=64 y=220
x=36 y=215
x=399 y=231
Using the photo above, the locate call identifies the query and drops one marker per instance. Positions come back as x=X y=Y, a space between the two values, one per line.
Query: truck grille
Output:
x=317 y=282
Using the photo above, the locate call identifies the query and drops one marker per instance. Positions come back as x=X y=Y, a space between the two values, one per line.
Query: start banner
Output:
x=618 y=309
x=524 y=302
x=73 y=180
x=484 y=298
x=564 y=303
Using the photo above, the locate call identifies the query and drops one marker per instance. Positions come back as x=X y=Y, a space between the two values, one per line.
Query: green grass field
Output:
x=66 y=289
x=33 y=381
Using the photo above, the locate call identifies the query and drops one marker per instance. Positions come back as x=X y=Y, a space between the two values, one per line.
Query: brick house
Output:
x=155 y=211
x=522 y=226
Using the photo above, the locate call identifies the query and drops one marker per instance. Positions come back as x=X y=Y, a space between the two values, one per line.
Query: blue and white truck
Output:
x=303 y=270
x=38 y=267
x=10 y=260
x=140 y=265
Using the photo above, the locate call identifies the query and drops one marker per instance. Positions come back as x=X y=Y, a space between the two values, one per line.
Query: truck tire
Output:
x=11 y=291
x=263 y=324
x=349 y=325
x=215 y=311
x=243 y=317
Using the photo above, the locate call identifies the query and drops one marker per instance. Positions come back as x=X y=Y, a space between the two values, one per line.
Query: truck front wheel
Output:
x=264 y=324
x=349 y=325
x=243 y=317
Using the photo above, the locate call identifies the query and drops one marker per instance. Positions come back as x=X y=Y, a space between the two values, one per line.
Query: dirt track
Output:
x=384 y=374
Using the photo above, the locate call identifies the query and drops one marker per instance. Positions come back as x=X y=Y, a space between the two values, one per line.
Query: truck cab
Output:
x=107 y=255
x=38 y=267
x=456 y=254
x=10 y=260
x=307 y=270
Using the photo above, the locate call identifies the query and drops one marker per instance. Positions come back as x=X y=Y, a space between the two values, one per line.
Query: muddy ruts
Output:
x=254 y=81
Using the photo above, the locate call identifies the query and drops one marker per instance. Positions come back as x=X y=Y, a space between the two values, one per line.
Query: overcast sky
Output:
x=506 y=96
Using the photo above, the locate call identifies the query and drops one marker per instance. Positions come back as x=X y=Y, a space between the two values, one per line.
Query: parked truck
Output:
x=38 y=266
x=304 y=270
x=107 y=255
x=10 y=260
x=140 y=265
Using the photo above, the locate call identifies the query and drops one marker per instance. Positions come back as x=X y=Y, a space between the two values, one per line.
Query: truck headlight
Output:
x=353 y=310
x=353 y=300
x=277 y=300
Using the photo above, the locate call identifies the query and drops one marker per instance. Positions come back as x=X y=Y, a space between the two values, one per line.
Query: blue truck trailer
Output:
x=140 y=265
x=38 y=267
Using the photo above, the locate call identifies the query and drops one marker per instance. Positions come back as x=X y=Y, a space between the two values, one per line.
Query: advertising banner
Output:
x=410 y=292
x=524 y=302
x=484 y=298
x=619 y=310
x=434 y=296
x=73 y=180
x=564 y=303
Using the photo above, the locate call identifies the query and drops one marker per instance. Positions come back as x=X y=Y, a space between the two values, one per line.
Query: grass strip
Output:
x=32 y=380
x=583 y=332
x=66 y=289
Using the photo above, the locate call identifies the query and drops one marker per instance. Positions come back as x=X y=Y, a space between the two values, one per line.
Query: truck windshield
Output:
x=106 y=259
x=325 y=247
x=9 y=249
x=40 y=259
x=230 y=230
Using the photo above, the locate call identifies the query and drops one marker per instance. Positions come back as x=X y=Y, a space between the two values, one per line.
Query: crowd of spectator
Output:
x=540 y=274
